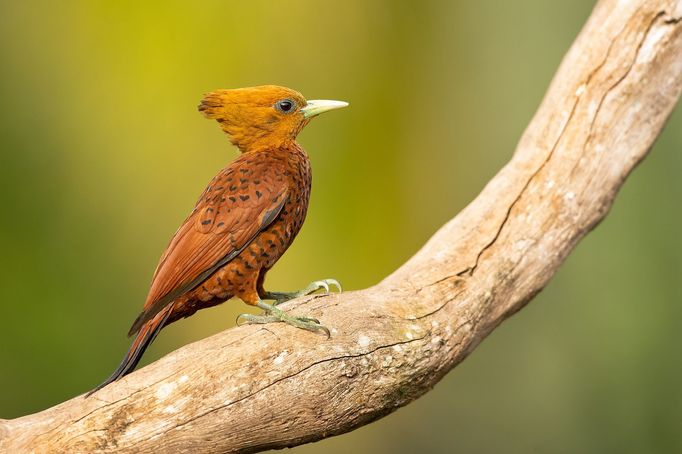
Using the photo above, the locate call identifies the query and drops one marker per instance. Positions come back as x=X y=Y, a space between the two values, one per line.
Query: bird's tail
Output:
x=144 y=338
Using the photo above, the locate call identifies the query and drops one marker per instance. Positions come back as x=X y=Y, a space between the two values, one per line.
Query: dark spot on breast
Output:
x=233 y=188
x=244 y=170
x=244 y=197
x=238 y=273
x=243 y=180
x=221 y=223
x=219 y=188
x=259 y=194
x=256 y=181
x=206 y=222
x=233 y=199
x=248 y=266
x=210 y=210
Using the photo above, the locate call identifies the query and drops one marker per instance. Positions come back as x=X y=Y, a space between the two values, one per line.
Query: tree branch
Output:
x=253 y=388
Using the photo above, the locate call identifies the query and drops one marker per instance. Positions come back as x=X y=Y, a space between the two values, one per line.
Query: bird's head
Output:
x=262 y=117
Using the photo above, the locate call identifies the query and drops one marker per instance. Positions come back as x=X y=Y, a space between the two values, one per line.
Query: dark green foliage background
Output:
x=102 y=155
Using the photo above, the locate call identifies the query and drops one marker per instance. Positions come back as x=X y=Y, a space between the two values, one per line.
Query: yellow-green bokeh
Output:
x=102 y=155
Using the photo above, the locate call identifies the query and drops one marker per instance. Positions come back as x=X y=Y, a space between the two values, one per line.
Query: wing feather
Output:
x=231 y=212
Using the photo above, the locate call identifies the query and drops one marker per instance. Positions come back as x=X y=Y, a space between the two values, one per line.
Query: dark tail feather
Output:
x=144 y=338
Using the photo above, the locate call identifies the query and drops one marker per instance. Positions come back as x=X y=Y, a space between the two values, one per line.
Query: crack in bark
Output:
x=471 y=270
x=443 y=279
x=608 y=91
x=279 y=380
x=428 y=314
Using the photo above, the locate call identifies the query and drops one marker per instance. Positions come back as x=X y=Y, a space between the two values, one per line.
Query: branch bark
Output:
x=235 y=391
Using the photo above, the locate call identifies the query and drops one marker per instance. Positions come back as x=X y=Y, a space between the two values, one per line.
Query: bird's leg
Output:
x=273 y=314
x=280 y=297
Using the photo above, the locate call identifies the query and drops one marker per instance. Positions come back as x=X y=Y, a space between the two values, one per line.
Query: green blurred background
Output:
x=102 y=155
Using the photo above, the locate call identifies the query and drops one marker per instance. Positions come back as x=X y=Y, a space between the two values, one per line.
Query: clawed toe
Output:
x=273 y=314
x=309 y=324
x=306 y=323
x=323 y=329
x=251 y=319
x=325 y=284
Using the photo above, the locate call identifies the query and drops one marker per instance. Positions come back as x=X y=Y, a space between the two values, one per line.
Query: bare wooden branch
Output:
x=252 y=388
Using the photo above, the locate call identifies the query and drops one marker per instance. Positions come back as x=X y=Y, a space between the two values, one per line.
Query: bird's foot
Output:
x=324 y=284
x=273 y=314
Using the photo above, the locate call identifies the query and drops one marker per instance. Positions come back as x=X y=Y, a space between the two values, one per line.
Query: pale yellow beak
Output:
x=318 y=106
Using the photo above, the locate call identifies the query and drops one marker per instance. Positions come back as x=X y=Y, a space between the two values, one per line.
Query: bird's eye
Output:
x=285 y=105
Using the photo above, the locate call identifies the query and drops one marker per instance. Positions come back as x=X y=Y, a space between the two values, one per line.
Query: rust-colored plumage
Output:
x=243 y=222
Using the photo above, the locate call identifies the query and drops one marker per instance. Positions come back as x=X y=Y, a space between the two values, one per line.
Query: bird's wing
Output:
x=232 y=211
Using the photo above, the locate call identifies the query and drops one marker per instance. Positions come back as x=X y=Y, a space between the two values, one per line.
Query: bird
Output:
x=243 y=222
